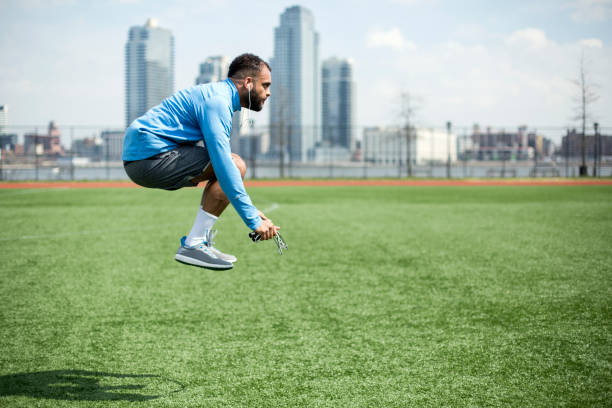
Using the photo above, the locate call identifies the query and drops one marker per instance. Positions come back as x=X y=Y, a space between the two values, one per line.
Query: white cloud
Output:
x=531 y=38
x=585 y=11
x=496 y=83
x=592 y=43
x=392 y=38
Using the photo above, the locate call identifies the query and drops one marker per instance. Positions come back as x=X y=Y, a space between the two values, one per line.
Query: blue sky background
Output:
x=496 y=63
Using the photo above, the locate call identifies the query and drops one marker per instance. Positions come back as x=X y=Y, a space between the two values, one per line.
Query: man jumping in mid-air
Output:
x=161 y=150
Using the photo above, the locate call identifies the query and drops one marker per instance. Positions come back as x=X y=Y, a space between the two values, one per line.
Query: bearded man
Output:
x=186 y=140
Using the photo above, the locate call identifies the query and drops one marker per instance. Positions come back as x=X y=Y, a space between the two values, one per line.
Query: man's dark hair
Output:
x=246 y=65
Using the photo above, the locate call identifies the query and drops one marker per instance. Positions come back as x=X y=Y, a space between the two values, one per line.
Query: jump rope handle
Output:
x=278 y=239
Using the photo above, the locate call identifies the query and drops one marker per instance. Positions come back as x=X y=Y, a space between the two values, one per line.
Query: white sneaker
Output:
x=209 y=242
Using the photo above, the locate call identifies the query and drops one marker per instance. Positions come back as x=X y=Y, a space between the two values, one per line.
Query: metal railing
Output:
x=94 y=152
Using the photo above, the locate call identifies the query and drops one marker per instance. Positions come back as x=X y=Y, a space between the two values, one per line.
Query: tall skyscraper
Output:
x=295 y=94
x=338 y=101
x=149 y=68
x=213 y=69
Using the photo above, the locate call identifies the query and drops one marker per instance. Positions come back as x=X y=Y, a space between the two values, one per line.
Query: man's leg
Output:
x=214 y=200
x=213 y=203
x=197 y=249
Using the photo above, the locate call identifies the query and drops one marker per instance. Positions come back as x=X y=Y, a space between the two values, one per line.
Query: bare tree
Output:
x=407 y=112
x=586 y=96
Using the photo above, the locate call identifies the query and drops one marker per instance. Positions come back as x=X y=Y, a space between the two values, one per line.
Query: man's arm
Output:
x=215 y=119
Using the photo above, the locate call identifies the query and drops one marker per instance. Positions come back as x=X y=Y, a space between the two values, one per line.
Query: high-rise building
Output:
x=338 y=102
x=295 y=94
x=213 y=69
x=149 y=68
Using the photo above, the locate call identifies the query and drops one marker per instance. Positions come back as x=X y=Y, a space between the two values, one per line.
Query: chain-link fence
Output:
x=53 y=152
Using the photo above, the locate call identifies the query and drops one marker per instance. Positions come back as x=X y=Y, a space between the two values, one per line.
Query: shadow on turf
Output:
x=79 y=385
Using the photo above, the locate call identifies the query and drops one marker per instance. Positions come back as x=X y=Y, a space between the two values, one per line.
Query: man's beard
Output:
x=257 y=103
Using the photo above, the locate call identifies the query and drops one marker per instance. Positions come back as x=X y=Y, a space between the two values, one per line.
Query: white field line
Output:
x=271 y=208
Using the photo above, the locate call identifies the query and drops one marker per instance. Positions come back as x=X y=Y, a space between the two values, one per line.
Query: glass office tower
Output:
x=149 y=68
x=338 y=100
x=295 y=94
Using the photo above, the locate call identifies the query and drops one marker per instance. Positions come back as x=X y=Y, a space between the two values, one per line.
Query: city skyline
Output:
x=478 y=62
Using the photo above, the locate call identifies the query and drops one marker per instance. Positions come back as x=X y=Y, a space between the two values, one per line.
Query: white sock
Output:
x=204 y=221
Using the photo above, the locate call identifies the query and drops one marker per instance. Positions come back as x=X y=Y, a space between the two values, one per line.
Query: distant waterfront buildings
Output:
x=90 y=148
x=48 y=144
x=113 y=144
x=390 y=146
x=8 y=143
x=149 y=68
x=505 y=145
x=295 y=103
x=571 y=145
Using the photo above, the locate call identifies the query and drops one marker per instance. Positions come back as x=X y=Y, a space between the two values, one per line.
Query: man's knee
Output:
x=240 y=164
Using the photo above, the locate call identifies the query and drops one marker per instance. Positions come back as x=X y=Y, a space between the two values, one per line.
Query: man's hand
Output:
x=266 y=229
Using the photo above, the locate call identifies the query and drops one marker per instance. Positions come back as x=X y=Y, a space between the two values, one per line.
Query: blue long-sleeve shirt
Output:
x=201 y=112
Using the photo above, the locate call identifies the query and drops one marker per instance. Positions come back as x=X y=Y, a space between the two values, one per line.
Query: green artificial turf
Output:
x=387 y=297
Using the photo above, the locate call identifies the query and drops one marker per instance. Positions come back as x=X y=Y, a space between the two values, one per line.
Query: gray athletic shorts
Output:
x=170 y=170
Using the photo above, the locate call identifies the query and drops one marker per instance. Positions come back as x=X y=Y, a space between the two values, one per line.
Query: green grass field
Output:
x=388 y=297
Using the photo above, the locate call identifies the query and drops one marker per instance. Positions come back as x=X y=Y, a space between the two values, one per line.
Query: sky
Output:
x=496 y=63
